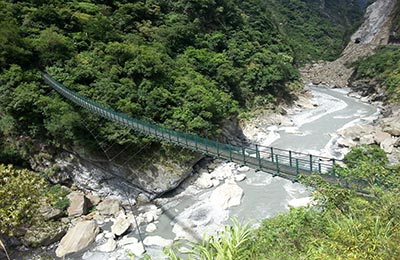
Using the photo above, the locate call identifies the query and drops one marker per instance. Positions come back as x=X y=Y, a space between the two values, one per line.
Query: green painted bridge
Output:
x=279 y=162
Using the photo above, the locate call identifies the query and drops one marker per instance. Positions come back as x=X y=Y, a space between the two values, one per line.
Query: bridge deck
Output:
x=284 y=163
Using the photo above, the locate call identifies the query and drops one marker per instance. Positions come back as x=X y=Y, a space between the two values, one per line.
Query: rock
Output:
x=121 y=225
x=388 y=144
x=240 y=177
x=77 y=238
x=109 y=246
x=392 y=125
x=108 y=234
x=151 y=228
x=157 y=241
x=151 y=215
x=131 y=218
x=99 y=218
x=126 y=241
x=227 y=195
x=355 y=132
x=142 y=199
x=44 y=235
x=78 y=204
x=99 y=237
x=243 y=169
x=381 y=136
x=301 y=202
x=342 y=142
x=367 y=139
x=49 y=213
x=204 y=181
x=215 y=182
x=137 y=249
x=94 y=199
x=223 y=171
x=108 y=207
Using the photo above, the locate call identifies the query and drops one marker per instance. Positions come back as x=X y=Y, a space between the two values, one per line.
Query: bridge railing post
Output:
x=258 y=156
x=311 y=163
x=244 y=154
x=230 y=152
x=272 y=154
x=277 y=164
x=319 y=167
x=297 y=166
x=290 y=158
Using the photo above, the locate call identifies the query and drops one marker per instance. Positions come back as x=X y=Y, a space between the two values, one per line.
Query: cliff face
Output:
x=374 y=32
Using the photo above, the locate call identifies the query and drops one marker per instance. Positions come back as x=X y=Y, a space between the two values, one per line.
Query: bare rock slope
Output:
x=374 y=32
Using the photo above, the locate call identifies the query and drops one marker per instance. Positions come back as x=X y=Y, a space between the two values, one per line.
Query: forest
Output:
x=187 y=65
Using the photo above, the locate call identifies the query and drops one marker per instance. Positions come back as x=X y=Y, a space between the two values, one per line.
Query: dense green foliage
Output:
x=183 y=64
x=384 y=66
x=317 y=30
x=343 y=223
x=20 y=193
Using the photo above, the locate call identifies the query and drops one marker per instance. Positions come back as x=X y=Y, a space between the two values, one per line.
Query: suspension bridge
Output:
x=284 y=163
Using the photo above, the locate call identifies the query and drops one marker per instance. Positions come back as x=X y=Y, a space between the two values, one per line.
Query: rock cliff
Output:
x=374 y=32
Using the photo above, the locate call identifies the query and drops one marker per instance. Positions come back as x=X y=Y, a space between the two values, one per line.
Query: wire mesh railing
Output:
x=285 y=163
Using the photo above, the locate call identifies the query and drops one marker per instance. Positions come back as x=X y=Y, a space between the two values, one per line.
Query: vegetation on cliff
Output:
x=181 y=64
x=384 y=67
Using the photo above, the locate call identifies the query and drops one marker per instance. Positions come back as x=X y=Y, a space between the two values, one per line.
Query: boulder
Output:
x=388 y=144
x=204 y=181
x=157 y=241
x=94 y=199
x=121 y=225
x=240 y=177
x=151 y=228
x=343 y=142
x=109 y=246
x=79 y=204
x=391 y=125
x=355 y=132
x=151 y=215
x=301 y=202
x=381 y=136
x=44 y=235
x=109 y=207
x=142 y=199
x=367 y=139
x=223 y=171
x=77 y=238
x=137 y=249
x=227 y=195
x=50 y=213
x=243 y=169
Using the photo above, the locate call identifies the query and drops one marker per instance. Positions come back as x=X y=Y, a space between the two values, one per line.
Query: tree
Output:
x=20 y=193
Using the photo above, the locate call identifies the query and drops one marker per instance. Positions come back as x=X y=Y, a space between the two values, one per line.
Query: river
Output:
x=190 y=211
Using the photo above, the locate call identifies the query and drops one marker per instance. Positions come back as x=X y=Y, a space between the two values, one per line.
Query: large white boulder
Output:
x=227 y=195
x=388 y=144
x=78 y=204
x=137 y=249
x=121 y=225
x=109 y=207
x=77 y=238
x=204 y=181
x=223 y=171
x=109 y=246
x=157 y=241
